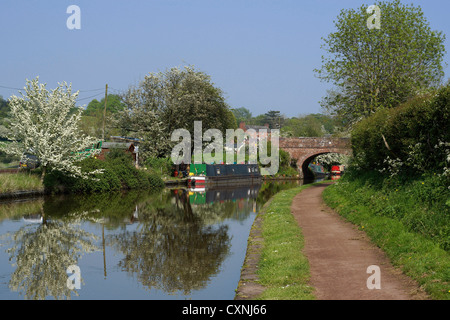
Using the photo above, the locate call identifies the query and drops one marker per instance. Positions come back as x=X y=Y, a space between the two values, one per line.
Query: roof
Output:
x=116 y=145
x=247 y=127
x=119 y=138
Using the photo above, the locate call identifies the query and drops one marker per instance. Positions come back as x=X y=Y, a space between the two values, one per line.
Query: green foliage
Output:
x=379 y=68
x=170 y=100
x=8 y=158
x=118 y=174
x=92 y=118
x=419 y=203
x=274 y=119
x=411 y=137
x=114 y=104
x=242 y=115
x=4 y=108
x=312 y=125
x=160 y=166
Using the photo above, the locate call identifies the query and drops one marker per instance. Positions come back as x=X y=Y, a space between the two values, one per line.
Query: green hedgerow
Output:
x=119 y=173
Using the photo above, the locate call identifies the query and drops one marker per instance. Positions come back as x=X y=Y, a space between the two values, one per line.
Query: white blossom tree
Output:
x=330 y=159
x=43 y=123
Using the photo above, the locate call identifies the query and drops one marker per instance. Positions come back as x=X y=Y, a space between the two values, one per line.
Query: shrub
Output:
x=162 y=166
x=412 y=137
x=119 y=173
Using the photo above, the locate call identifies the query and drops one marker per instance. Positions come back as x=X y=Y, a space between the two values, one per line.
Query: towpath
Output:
x=339 y=255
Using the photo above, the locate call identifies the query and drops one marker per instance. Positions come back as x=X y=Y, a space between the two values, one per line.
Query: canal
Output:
x=174 y=244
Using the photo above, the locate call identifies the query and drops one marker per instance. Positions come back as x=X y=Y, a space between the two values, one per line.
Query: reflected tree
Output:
x=42 y=253
x=172 y=250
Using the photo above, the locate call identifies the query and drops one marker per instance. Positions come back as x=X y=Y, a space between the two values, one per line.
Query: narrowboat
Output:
x=318 y=170
x=337 y=170
x=223 y=174
x=221 y=194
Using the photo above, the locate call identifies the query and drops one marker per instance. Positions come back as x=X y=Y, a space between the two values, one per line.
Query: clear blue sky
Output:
x=261 y=53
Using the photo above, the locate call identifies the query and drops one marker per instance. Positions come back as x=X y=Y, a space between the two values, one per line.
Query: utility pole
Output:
x=104 y=113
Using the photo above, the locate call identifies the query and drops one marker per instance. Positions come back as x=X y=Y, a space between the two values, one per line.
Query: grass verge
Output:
x=12 y=182
x=283 y=269
x=391 y=214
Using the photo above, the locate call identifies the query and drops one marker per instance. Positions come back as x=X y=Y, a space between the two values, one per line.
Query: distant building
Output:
x=127 y=147
x=246 y=127
x=257 y=129
x=136 y=141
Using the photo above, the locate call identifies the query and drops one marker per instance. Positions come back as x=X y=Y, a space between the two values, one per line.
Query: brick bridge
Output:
x=303 y=150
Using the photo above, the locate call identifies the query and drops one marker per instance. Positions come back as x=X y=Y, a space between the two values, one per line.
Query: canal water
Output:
x=174 y=244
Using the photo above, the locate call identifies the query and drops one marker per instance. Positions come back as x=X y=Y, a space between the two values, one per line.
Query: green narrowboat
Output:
x=223 y=174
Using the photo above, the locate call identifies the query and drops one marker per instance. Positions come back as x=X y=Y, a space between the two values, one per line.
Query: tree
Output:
x=114 y=104
x=42 y=255
x=379 y=68
x=4 y=109
x=274 y=119
x=92 y=118
x=42 y=124
x=311 y=125
x=329 y=159
x=242 y=115
x=170 y=100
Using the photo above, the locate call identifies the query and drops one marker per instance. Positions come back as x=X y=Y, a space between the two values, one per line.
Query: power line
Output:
x=118 y=91
x=90 y=97
x=11 y=88
x=80 y=91
x=91 y=90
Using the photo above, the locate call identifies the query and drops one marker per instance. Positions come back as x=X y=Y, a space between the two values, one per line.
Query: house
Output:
x=136 y=141
x=257 y=129
x=246 y=127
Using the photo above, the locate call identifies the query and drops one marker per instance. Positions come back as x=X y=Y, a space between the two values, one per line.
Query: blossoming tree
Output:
x=44 y=124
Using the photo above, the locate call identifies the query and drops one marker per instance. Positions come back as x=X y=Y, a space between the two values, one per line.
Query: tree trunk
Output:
x=44 y=171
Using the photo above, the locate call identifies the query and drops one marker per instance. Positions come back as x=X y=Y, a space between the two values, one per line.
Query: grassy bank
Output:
x=409 y=218
x=12 y=182
x=283 y=269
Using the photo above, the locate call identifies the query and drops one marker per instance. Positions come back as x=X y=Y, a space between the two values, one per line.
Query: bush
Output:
x=119 y=173
x=414 y=136
x=161 y=166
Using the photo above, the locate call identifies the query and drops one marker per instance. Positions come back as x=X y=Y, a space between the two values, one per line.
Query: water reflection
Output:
x=42 y=250
x=175 y=241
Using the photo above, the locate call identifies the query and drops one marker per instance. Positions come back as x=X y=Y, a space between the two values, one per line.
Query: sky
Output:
x=261 y=53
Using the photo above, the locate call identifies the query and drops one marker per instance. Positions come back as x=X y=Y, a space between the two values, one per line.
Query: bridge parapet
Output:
x=313 y=142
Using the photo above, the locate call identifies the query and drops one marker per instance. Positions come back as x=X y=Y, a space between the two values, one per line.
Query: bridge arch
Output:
x=305 y=149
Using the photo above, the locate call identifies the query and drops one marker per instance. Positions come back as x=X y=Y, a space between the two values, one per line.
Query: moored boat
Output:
x=223 y=174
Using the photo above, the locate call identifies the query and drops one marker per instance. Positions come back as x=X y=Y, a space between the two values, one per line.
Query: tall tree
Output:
x=4 y=108
x=92 y=118
x=379 y=68
x=170 y=100
x=42 y=123
x=114 y=104
x=274 y=119
x=242 y=115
